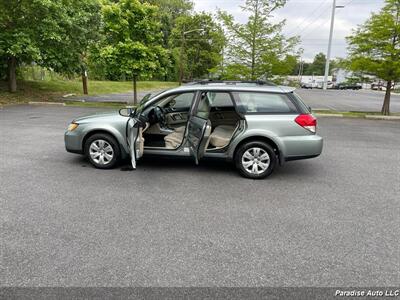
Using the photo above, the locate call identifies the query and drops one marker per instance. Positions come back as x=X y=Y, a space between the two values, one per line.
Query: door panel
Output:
x=135 y=128
x=199 y=131
x=177 y=118
x=133 y=132
x=199 y=127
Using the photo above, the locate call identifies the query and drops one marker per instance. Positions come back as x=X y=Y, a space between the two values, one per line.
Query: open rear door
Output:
x=199 y=128
x=199 y=132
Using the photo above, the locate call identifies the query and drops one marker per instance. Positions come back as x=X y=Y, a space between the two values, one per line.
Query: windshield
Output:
x=145 y=100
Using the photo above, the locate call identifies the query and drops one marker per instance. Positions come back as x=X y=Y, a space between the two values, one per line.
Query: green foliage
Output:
x=317 y=67
x=131 y=43
x=258 y=46
x=375 y=45
x=198 y=41
x=55 y=34
x=169 y=11
x=283 y=66
x=52 y=33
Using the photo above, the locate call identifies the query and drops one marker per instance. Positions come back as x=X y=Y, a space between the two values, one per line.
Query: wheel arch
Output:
x=277 y=148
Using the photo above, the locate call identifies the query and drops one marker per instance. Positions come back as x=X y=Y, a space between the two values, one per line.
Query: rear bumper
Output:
x=302 y=147
x=300 y=157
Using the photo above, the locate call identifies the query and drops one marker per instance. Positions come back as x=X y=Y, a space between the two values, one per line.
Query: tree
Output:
x=317 y=67
x=198 y=42
x=132 y=43
x=258 y=45
x=374 y=47
x=54 y=34
x=168 y=13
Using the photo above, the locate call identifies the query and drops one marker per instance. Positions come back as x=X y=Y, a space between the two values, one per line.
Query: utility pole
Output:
x=183 y=44
x=328 y=56
x=300 y=75
x=181 y=58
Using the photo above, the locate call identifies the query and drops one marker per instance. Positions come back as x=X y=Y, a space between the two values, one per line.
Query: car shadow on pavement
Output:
x=289 y=170
x=185 y=164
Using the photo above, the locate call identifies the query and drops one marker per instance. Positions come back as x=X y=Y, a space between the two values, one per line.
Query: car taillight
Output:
x=307 y=121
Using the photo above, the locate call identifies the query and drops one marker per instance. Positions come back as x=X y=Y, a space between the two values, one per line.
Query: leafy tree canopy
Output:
x=317 y=67
x=198 y=41
x=258 y=45
x=375 y=46
x=54 y=34
x=168 y=12
x=132 y=39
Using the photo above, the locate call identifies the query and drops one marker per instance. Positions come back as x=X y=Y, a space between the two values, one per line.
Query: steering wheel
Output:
x=159 y=113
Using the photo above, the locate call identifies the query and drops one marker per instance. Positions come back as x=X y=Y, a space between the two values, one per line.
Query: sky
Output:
x=310 y=19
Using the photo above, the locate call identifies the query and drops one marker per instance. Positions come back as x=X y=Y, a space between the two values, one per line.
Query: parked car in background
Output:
x=348 y=86
x=377 y=86
x=306 y=85
x=381 y=86
x=320 y=85
x=254 y=124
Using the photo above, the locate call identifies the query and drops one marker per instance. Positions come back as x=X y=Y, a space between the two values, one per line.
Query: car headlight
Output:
x=72 y=126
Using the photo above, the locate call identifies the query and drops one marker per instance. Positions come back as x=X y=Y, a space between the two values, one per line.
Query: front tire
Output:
x=255 y=160
x=102 y=151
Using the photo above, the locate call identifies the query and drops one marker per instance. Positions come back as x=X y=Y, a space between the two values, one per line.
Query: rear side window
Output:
x=300 y=102
x=220 y=99
x=252 y=102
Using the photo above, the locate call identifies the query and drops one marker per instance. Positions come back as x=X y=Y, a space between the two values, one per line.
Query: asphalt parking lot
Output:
x=329 y=221
x=348 y=100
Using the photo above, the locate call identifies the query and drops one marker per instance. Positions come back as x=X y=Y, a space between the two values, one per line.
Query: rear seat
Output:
x=221 y=135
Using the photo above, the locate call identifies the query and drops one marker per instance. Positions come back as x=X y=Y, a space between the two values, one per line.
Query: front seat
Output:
x=174 y=139
x=221 y=135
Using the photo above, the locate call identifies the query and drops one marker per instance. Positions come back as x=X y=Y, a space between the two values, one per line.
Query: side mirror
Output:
x=127 y=111
x=310 y=109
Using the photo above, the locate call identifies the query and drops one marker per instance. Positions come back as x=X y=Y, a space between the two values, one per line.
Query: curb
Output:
x=46 y=103
x=329 y=115
x=377 y=117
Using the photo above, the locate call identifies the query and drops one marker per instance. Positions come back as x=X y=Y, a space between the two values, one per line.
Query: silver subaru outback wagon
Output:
x=254 y=124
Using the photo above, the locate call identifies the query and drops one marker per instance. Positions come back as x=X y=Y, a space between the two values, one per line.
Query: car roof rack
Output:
x=231 y=82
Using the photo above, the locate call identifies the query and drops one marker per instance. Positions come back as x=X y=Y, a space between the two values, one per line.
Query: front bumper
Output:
x=73 y=142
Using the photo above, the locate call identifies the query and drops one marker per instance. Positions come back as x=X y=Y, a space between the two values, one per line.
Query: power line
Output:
x=297 y=27
x=302 y=30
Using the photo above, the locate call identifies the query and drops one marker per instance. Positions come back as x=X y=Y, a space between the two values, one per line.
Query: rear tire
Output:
x=255 y=160
x=102 y=150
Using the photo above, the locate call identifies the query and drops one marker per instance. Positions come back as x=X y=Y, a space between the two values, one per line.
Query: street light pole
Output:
x=182 y=52
x=328 y=56
x=181 y=59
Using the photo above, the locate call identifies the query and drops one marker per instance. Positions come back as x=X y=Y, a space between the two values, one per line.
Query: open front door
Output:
x=135 y=128
x=199 y=128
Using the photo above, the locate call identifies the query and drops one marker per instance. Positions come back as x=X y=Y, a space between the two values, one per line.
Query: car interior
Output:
x=167 y=121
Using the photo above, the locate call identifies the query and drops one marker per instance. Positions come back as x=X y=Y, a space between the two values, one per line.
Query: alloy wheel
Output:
x=255 y=160
x=101 y=152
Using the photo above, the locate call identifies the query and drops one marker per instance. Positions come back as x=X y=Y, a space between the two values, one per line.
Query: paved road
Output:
x=116 y=97
x=329 y=221
x=348 y=100
x=364 y=100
